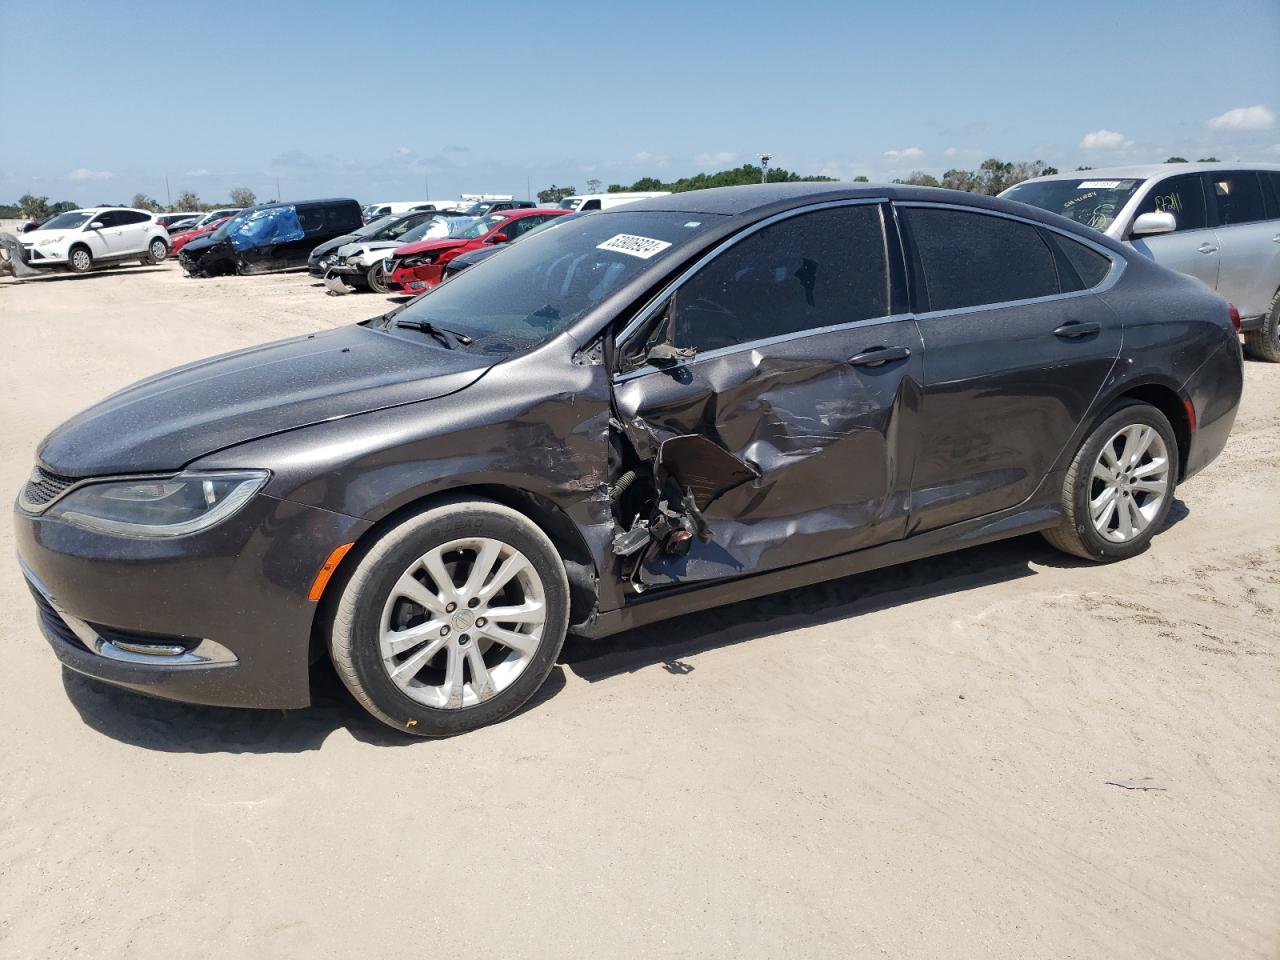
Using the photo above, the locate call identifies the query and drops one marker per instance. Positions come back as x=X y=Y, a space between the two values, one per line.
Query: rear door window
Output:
x=968 y=259
x=806 y=272
x=1238 y=197
x=1181 y=196
x=1271 y=193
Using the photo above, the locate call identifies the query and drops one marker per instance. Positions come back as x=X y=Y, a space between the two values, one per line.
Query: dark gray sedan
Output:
x=675 y=404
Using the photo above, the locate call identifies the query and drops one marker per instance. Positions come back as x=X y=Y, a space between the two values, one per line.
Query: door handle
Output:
x=1074 y=330
x=878 y=356
x=1208 y=248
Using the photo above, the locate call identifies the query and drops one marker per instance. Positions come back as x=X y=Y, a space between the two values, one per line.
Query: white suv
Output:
x=1218 y=222
x=80 y=239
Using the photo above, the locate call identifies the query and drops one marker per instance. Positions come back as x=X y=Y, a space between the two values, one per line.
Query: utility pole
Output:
x=528 y=189
x=277 y=189
x=426 y=185
x=764 y=169
x=168 y=197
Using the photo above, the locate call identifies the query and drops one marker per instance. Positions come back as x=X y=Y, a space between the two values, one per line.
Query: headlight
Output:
x=422 y=261
x=162 y=507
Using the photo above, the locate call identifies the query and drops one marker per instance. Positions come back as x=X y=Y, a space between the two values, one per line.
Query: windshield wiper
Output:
x=440 y=333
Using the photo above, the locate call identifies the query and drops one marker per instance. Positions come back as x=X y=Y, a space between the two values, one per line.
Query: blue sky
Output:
x=105 y=99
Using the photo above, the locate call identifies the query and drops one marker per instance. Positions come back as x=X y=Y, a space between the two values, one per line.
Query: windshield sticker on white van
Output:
x=1099 y=185
x=633 y=246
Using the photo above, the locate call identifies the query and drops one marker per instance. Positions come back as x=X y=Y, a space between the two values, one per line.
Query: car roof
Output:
x=300 y=203
x=519 y=212
x=763 y=199
x=1146 y=171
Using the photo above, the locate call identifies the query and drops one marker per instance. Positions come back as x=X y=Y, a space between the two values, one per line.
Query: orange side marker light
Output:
x=326 y=571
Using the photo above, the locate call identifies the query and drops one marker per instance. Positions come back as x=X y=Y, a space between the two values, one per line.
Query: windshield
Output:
x=473 y=229
x=477 y=210
x=550 y=279
x=373 y=226
x=231 y=224
x=432 y=229
x=1095 y=203
x=395 y=228
x=66 y=221
x=570 y=203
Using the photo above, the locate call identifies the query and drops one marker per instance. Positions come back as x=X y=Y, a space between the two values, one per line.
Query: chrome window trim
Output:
x=648 y=310
x=1118 y=263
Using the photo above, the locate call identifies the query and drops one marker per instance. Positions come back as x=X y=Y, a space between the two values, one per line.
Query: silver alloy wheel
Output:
x=80 y=260
x=1130 y=482
x=377 y=278
x=462 y=623
x=158 y=250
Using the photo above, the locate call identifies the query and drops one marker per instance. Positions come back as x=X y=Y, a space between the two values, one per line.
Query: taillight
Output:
x=1235 y=316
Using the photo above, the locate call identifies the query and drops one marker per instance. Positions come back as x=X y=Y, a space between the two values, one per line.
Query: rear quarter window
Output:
x=1089 y=265
x=968 y=259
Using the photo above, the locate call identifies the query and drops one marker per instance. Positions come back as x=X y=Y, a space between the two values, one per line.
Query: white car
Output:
x=1217 y=222
x=582 y=203
x=80 y=239
x=362 y=263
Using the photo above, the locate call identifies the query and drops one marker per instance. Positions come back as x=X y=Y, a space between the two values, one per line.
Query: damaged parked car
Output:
x=358 y=263
x=653 y=410
x=273 y=236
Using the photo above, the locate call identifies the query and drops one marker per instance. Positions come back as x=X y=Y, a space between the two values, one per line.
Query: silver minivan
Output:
x=1218 y=222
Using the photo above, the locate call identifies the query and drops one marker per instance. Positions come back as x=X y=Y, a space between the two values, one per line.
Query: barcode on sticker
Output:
x=1099 y=185
x=633 y=246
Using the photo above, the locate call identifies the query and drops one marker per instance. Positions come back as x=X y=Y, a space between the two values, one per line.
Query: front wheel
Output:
x=451 y=620
x=376 y=278
x=80 y=260
x=1120 y=486
x=157 y=250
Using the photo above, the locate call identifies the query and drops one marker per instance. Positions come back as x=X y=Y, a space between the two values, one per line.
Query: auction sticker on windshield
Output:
x=642 y=247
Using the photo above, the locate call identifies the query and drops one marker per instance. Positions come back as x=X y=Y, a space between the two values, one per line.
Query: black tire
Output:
x=79 y=259
x=357 y=615
x=157 y=251
x=376 y=278
x=1264 y=343
x=1076 y=534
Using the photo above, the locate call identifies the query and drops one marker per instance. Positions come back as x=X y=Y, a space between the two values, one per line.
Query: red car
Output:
x=417 y=267
x=176 y=243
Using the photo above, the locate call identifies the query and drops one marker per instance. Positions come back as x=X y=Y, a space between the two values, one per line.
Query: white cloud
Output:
x=202 y=172
x=1244 y=118
x=83 y=173
x=910 y=153
x=645 y=157
x=719 y=159
x=403 y=151
x=951 y=152
x=1104 y=140
x=1275 y=148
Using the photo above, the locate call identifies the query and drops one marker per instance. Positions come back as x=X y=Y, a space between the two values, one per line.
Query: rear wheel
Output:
x=452 y=619
x=1120 y=486
x=80 y=260
x=1264 y=343
x=157 y=250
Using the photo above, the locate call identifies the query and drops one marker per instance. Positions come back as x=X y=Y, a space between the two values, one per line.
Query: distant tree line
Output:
x=738 y=176
x=31 y=207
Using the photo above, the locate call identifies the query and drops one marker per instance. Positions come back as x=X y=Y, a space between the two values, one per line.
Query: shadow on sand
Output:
x=178 y=727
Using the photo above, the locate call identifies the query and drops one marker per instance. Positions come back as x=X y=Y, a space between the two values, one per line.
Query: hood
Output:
x=35 y=236
x=165 y=422
x=199 y=245
x=330 y=245
x=365 y=246
x=422 y=246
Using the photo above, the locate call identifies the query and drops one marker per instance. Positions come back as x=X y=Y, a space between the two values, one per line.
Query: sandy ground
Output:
x=911 y=763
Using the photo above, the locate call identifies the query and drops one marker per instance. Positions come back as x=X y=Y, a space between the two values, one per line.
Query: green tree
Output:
x=1084 y=168
x=594 y=185
x=142 y=202
x=187 y=200
x=860 y=179
x=243 y=197
x=965 y=180
x=1207 y=160
x=62 y=206
x=1176 y=160
x=918 y=178
x=553 y=194
x=33 y=208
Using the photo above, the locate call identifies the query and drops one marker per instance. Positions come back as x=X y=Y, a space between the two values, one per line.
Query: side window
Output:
x=133 y=216
x=108 y=218
x=1183 y=197
x=590 y=205
x=806 y=272
x=1089 y=265
x=311 y=218
x=1271 y=193
x=1238 y=197
x=966 y=259
x=517 y=228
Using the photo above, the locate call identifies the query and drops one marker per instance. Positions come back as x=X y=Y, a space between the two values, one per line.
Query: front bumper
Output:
x=44 y=256
x=416 y=279
x=220 y=617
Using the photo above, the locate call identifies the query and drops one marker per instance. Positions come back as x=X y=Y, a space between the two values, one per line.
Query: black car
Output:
x=656 y=409
x=272 y=236
x=483 y=207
